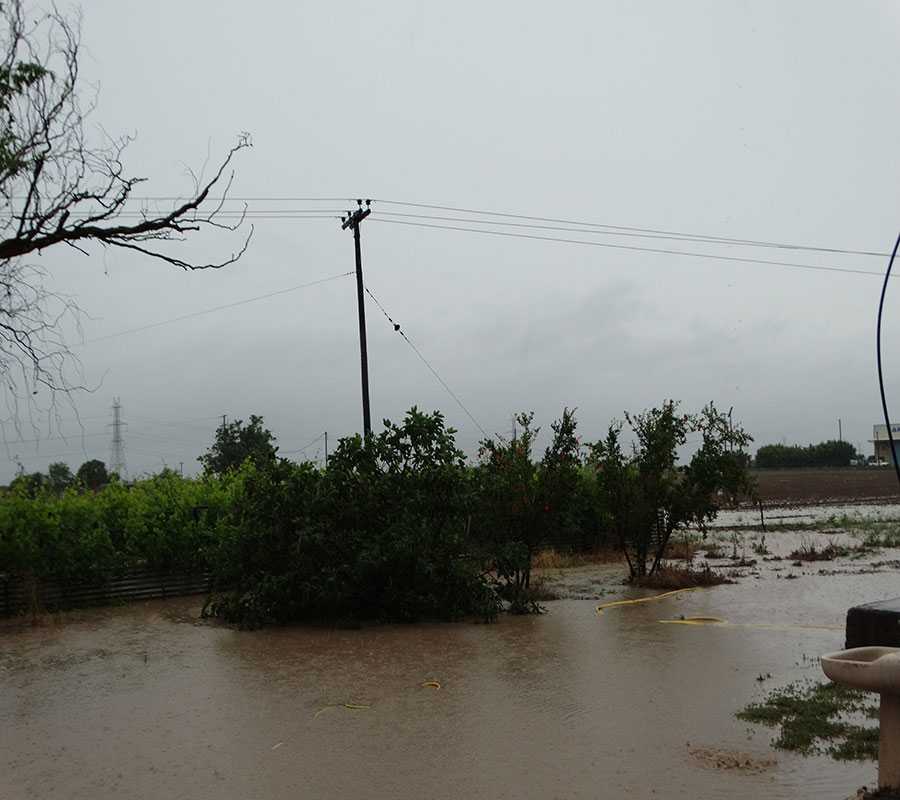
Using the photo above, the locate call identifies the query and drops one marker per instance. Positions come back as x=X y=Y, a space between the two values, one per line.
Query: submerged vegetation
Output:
x=820 y=718
x=671 y=577
x=397 y=527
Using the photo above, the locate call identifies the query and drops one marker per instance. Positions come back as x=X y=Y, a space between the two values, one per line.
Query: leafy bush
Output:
x=166 y=522
x=382 y=535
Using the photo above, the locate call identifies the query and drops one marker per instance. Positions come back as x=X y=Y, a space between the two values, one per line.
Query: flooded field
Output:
x=843 y=513
x=145 y=701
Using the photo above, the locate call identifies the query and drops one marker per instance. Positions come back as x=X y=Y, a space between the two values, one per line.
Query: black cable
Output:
x=424 y=360
x=660 y=250
x=711 y=240
x=663 y=233
x=65 y=439
x=283 y=198
x=887 y=417
x=724 y=239
x=219 y=308
x=305 y=447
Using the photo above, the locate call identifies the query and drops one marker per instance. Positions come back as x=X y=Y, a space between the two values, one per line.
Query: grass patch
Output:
x=539 y=591
x=670 y=577
x=681 y=549
x=819 y=718
x=809 y=552
x=885 y=535
x=555 y=559
x=714 y=550
x=760 y=548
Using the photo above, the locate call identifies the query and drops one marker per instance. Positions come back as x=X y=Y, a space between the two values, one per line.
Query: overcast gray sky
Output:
x=761 y=120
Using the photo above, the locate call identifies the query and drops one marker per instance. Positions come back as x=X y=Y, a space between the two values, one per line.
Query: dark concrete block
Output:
x=874 y=624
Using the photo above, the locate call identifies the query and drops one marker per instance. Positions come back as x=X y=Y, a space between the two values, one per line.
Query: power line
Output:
x=177 y=440
x=305 y=447
x=257 y=199
x=708 y=237
x=67 y=439
x=707 y=240
x=624 y=230
x=262 y=214
x=609 y=245
x=188 y=423
x=42 y=456
x=424 y=360
x=217 y=308
x=633 y=229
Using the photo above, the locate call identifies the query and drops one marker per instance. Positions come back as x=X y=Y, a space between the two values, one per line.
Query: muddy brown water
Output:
x=143 y=701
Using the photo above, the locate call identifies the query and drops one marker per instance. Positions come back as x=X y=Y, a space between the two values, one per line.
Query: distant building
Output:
x=882 y=443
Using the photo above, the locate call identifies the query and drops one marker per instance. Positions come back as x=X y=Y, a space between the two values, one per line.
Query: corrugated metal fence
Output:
x=18 y=595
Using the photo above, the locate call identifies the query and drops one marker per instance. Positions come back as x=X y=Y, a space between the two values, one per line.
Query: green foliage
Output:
x=236 y=442
x=825 y=454
x=816 y=718
x=382 y=535
x=649 y=495
x=59 y=477
x=30 y=484
x=93 y=475
x=524 y=504
x=165 y=522
x=398 y=527
x=15 y=80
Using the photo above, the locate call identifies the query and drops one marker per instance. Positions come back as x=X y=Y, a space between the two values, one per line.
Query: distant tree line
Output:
x=91 y=475
x=825 y=454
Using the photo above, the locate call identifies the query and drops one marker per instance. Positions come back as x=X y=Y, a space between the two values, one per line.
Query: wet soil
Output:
x=805 y=486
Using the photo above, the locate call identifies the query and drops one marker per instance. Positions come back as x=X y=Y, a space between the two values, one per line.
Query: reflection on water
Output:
x=136 y=702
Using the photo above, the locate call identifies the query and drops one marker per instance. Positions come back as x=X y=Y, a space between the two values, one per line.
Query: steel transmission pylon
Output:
x=117 y=450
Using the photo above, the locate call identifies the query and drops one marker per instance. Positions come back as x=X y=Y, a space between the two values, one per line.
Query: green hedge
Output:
x=165 y=522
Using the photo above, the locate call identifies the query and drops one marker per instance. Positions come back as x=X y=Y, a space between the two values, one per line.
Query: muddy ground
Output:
x=805 y=486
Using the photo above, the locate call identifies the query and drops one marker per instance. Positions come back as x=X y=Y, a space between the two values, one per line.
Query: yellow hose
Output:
x=604 y=606
x=765 y=626
x=431 y=685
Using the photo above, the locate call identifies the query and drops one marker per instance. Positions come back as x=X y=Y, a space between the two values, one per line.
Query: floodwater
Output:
x=774 y=515
x=144 y=701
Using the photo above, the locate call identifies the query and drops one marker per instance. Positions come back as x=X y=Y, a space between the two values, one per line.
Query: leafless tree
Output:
x=57 y=187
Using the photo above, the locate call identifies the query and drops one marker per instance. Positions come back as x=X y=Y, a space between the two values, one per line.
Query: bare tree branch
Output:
x=57 y=188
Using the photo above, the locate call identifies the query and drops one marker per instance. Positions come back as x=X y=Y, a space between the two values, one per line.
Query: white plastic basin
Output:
x=875 y=669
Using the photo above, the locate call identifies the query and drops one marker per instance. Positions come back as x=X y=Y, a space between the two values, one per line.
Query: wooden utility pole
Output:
x=352 y=220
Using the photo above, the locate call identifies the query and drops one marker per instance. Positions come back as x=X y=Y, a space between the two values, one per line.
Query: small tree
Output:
x=525 y=504
x=649 y=495
x=93 y=475
x=60 y=476
x=236 y=442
